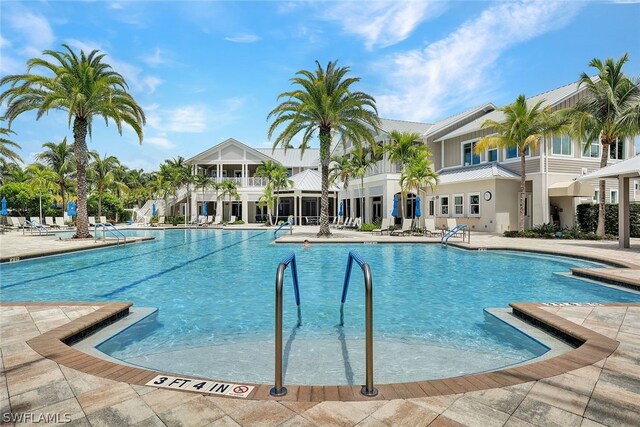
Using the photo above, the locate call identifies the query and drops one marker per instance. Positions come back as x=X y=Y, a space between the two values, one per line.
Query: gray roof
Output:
x=475 y=173
x=442 y=124
x=293 y=157
x=551 y=97
x=627 y=167
x=310 y=180
x=389 y=125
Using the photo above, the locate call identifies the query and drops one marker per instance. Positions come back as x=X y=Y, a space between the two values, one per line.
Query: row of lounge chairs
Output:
x=349 y=222
x=407 y=228
x=21 y=222
x=200 y=221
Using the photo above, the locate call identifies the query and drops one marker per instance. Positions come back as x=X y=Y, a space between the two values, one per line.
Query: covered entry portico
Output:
x=303 y=200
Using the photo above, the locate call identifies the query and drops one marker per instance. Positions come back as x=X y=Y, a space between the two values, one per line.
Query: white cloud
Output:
x=35 y=29
x=4 y=43
x=382 y=23
x=155 y=59
x=187 y=119
x=460 y=68
x=159 y=141
x=243 y=38
x=115 y=5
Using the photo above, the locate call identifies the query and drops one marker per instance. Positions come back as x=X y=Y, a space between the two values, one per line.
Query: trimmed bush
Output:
x=588 y=218
x=368 y=227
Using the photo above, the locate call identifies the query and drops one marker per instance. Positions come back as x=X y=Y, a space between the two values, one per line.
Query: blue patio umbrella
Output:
x=418 y=210
x=340 y=211
x=4 y=207
x=204 y=209
x=153 y=210
x=71 y=208
x=394 y=212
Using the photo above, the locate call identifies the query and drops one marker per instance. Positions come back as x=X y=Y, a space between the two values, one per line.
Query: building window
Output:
x=596 y=196
x=593 y=150
x=468 y=156
x=561 y=145
x=613 y=196
x=512 y=152
x=432 y=207
x=289 y=172
x=616 y=150
x=474 y=204
x=444 y=205
x=458 y=205
x=492 y=155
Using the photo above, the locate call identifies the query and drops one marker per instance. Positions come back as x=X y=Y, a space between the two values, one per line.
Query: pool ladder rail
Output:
x=112 y=229
x=460 y=228
x=279 y=389
x=290 y=224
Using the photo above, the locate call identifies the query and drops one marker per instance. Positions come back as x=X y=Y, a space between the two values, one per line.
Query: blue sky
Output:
x=207 y=71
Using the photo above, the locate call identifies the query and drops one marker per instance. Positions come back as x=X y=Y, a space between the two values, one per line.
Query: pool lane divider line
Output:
x=175 y=267
x=86 y=267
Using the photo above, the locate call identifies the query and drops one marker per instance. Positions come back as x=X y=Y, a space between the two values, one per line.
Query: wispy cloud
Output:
x=34 y=29
x=160 y=141
x=155 y=59
x=460 y=69
x=381 y=23
x=243 y=38
x=185 y=119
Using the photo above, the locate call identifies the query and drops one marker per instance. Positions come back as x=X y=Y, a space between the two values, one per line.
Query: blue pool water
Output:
x=215 y=293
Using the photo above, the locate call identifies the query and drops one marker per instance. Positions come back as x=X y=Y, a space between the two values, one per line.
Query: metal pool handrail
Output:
x=278 y=389
x=455 y=230
x=283 y=225
x=112 y=229
x=368 y=389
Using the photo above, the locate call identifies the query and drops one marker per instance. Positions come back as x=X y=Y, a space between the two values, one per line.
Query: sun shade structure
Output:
x=571 y=189
x=624 y=171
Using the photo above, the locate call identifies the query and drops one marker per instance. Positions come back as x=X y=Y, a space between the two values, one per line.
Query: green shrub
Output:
x=368 y=227
x=587 y=214
x=238 y=222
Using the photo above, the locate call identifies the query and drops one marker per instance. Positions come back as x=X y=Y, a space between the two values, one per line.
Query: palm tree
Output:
x=362 y=160
x=6 y=148
x=101 y=172
x=277 y=180
x=523 y=128
x=59 y=158
x=203 y=181
x=83 y=86
x=41 y=180
x=229 y=187
x=401 y=148
x=419 y=174
x=324 y=104
x=341 y=170
x=610 y=112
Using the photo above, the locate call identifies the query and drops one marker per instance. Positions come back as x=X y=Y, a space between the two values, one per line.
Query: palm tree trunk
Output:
x=362 y=200
x=99 y=203
x=80 y=151
x=604 y=157
x=40 y=217
x=522 y=195
x=277 y=205
x=325 y=146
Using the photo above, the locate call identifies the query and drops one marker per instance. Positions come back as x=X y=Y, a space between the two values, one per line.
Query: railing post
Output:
x=278 y=389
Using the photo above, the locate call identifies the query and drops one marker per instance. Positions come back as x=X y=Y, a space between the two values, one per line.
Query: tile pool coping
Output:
x=592 y=347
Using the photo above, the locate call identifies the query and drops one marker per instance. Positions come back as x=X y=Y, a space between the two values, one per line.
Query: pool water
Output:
x=214 y=290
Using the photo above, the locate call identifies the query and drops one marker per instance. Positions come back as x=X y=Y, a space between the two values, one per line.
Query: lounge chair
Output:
x=430 y=228
x=356 y=223
x=92 y=221
x=232 y=219
x=451 y=224
x=217 y=221
x=60 y=223
x=347 y=223
x=15 y=222
x=48 y=221
x=103 y=219
x=161 y=220
x=406 y=228
x=384 y=227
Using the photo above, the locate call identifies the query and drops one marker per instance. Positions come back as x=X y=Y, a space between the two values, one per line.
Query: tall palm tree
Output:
x=277 y=180
x=523 y=128
x=362 y=160
x=324 y=104
x=229 y=187
x=41 y=180
x=59 y=158
x=85 y=87
x=102 y=175
x=419 y=174
x=610 y=112
x=6 y=147
x=401 y=148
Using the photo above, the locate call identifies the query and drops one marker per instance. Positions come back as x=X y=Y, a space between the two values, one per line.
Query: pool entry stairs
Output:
x=112 y=230
x=368 y=389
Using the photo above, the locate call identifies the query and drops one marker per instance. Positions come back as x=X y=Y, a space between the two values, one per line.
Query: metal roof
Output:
x=293 y=157
x=475 y=173
x=551 y=97
x=626 y=167
x=442 y=124
x=389 y=125
x=310 y=180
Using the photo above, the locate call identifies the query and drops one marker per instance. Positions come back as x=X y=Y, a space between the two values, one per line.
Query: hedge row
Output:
x=588 y=218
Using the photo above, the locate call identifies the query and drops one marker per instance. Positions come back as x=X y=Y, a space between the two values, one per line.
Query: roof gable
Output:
x=229 y=151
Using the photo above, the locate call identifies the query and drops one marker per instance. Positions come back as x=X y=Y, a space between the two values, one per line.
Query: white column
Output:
x=296 y=220
x=624 y=223
x=245 y=207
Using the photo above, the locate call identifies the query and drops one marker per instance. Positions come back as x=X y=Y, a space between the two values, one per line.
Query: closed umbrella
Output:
x=418 y=210
x=69 y=207
x=4 y=207
x=153 y=210
x=340 y=211
x=204 y=209
x=394 y=212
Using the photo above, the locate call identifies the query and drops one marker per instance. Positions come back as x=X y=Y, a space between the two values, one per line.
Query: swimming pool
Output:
x=215 y=293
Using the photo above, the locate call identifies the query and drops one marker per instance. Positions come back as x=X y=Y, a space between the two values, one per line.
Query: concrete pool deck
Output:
x=605 y=392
